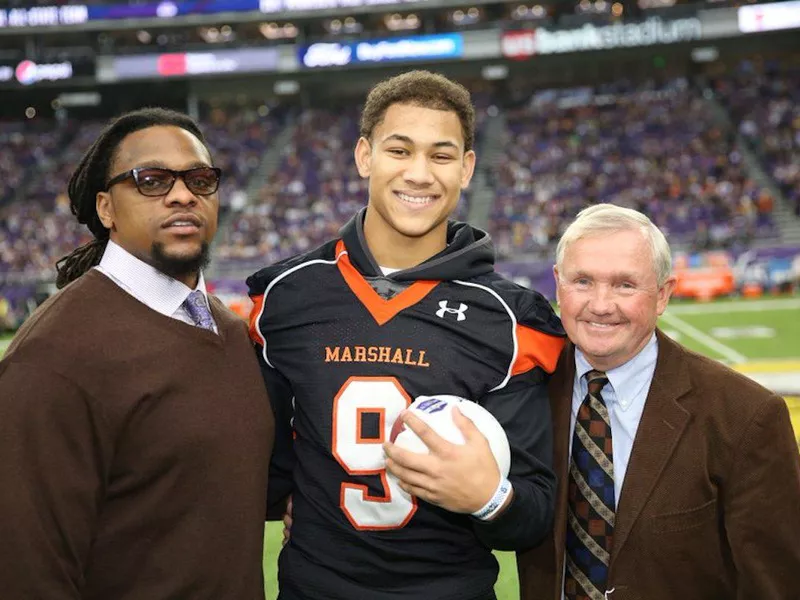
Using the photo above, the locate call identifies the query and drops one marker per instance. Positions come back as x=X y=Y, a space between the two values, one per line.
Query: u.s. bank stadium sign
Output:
x=528 y=42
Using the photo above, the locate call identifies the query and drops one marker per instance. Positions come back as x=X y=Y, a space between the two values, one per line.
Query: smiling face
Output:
x=170 y=232
x=609 y=296
x=417 y=167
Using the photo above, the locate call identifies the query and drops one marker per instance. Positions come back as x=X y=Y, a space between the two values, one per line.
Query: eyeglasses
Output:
x=153 y=181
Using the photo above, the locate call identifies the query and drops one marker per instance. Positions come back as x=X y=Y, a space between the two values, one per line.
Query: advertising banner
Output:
x=77 y=14
x=518 y=44
x=769 y=17
x=44 y=16
x=525 y=43
x=769 y=268
x=181 y=64
x=406 y=49
x=277 y=6
x=29 y=72
x=40 y=16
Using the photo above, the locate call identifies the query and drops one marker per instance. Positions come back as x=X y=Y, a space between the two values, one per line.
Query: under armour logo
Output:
x=462 y=308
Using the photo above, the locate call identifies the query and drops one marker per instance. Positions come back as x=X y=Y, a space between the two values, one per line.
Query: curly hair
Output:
x=424 y=89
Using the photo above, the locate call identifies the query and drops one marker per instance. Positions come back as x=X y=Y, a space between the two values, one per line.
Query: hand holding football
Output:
x=436 y=411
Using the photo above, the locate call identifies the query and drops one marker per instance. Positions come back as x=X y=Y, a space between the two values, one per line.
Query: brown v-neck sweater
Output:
x=134 y=451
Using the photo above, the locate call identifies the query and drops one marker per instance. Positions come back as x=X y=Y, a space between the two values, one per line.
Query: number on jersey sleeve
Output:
x=359 y=455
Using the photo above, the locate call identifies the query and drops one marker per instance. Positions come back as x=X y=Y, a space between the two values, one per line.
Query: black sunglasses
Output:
x=154 y=181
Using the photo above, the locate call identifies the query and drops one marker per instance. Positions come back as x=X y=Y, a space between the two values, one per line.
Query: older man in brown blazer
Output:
x=679 y=478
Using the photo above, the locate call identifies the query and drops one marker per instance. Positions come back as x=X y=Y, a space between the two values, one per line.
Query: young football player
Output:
x=405 y=303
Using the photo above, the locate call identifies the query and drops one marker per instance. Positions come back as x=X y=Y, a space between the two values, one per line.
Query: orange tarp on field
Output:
x=704 y=283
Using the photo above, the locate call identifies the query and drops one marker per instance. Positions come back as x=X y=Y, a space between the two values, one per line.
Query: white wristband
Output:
x=499 y=498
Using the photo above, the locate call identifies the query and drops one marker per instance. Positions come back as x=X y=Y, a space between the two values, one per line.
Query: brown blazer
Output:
x=710 y=506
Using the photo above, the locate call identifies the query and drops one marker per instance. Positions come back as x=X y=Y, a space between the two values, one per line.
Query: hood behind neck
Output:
x=469 y=253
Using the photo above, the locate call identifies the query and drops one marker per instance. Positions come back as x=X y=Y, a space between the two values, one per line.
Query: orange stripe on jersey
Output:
x=381 y=310
x=536 y=349
x=255 y=313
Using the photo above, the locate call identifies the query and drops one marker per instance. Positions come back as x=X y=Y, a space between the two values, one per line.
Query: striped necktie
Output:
x=197 y=308
x=590 y=517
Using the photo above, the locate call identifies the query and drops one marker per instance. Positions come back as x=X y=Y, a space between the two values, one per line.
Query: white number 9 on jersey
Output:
x=360 y=455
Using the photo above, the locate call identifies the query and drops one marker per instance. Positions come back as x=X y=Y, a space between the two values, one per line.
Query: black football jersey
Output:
x=342 y=356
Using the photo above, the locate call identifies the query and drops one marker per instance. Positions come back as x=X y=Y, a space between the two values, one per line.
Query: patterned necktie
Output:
x=590 y=517
x=197 y=307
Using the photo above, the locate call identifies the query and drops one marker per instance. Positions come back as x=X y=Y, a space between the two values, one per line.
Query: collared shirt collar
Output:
x=150 y=286
x=630 y=380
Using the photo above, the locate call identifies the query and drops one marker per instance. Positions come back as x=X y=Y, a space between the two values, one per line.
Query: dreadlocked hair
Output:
x=90 y=178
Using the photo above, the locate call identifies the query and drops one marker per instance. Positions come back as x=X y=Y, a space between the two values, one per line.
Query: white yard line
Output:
x=741 y=306
x=787 y=384
x=728 y=353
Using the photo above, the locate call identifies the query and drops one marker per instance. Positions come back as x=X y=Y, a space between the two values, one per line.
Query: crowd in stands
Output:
x=313 y=191
x=764 y=101
x=238 y=138
x=36 y=226
x=655 y=149
x=25 y=144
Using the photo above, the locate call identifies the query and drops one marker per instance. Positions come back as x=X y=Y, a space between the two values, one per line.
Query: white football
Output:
x=437 y=412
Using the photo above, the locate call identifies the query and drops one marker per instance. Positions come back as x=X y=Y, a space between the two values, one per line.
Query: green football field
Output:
x=738 y=331
x=5 y=340
x=758 y=337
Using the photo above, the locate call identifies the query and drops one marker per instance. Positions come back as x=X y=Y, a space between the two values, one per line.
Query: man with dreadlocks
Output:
x=135 y=432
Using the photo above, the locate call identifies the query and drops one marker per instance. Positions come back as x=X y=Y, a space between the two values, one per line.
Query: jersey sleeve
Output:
x=522 y=407
x=258 y=284
x=282 y=463
x=261 y=287
x=539 y=333
x=280 y=394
